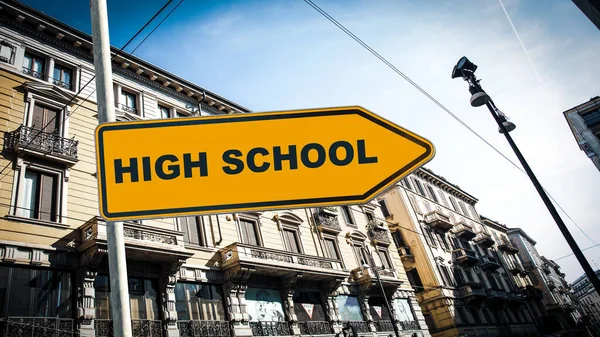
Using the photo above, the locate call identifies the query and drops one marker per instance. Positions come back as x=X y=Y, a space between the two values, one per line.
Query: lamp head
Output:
x=509 y=126
x=479 y=97
x=463 y=67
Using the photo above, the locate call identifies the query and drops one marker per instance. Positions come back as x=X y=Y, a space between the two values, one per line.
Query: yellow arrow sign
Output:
x=244 y=162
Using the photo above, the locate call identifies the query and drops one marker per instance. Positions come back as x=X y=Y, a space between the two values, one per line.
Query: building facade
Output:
x=452 y=260
x=286 y=273
x=588 y=303
x=584 y=121
x=559 y=314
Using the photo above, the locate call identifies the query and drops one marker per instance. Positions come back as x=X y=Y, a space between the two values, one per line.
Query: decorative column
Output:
x=50 y=70
x=235 y=295
x=167 y=289
x=86 y=293
x=287 y=289
x=331 y=309
x=363 y=299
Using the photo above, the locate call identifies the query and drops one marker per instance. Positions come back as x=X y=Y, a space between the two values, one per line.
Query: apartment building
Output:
x=286 y=273
x=452 y=260
x=584 y=121
x=588 y=302
x=558 y=314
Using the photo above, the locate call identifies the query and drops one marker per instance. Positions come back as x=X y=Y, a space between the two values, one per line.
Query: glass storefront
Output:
x=308 y=306
x=143 y=298
x=264 y=305
x=349 y=308
x=199 y=302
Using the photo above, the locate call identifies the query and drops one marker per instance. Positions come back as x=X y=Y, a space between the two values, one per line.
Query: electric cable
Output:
x=435 y=101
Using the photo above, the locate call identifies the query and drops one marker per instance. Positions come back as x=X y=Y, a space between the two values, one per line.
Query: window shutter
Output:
x=50 y=121
x=47 y=198
x=292 y=243
x=37 y=120
x=192 y=227
x=415 y=205
x=248 y=231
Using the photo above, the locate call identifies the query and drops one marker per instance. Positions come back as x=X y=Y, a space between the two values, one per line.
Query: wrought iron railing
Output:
x=61 y=84
x=314 y=328
x=33 y=73
x=203 y=328
x=327 y=220
x=378 y=231
x=47 y=142
x=359 y=326
x=270 y=328
x=384 y=325
x=464 y=255
x=410 y=325
x=483 y=239
x=139 y=328
x=128 y=108
x=37 y=326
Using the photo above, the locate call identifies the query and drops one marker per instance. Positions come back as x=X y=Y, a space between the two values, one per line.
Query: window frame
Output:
x=160 y=110
x=419 y=187
x=255 y=220
x=431 y=193
x=336 y=247
x=348 y=216
x=35 y=56
x=384 y=208
x=199 y=224
x=63 y=69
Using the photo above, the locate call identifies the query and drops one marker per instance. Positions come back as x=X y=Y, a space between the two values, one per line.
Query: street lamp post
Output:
x=385 y=299
x=466 y=69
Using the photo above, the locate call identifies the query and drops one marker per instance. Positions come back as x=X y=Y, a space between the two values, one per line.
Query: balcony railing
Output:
x=472 y=291
x=488 y=262
x=406 y=253
x=314 y=328
x=410 y=325
x=378 y=231
x=37 y=326
x=203 y=328
x=61 y=84
x=139 y=328
x=359 y=326
x=516 y=268
x=128 y=108
x=33 y=73
x=26 y=138
x=507 y=246
x=270 y=328
x=327 y=219
x=384 y=325
x=496 y=294
x=484 y=239
x=464 y=230
x=437 y=219
x=464 y=255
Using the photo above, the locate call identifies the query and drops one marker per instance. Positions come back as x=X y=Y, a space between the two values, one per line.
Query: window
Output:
x=443 y=198
x=292 y=240
x=143 y=298
x=370 y=216
x=463 y=208
x=45 y=119
x=592 y=118
x=442 y=239
x=398 y=239
x=308 y=306
x=406 y=183
x=249 y=232
x=180 y=114
x=378 y=308
x=164 y=111
x=385 y=259
x=432 y=193
x=28 y=292
x=446 y=276
x=473 y=212
x=362 y=257
x=128 y=102
x=384 y=208
x=419 y=187
x=62 y=76
x=6 y=52
x=415 y=280
x=454 y=204
x=39 y=199
x=348 y=215
x=191 y=228
x=331 y=248
x=462 y=316
x=429 y=237
x=429 y=321
x=199 y=302
x=475 y=314
x=264 y=305
x=349 y=308
x=33 y=65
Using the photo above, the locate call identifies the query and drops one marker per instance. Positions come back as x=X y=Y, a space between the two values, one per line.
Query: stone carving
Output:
x=149 y=236
x=271 y=256
x=314 y=263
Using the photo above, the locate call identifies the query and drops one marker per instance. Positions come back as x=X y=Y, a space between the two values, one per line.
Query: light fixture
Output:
x=509 y=126
x=479 y=97
x=463 y=65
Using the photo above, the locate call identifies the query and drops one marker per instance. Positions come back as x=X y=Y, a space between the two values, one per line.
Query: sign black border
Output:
x=253 y=205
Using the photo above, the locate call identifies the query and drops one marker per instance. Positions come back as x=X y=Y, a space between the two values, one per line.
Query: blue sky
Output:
x=278 y=55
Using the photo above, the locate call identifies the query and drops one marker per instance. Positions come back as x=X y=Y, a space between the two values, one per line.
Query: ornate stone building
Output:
x=285 y=273
x=455 y=261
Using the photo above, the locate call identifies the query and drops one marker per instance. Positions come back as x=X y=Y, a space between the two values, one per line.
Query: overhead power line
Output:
x=433 y=99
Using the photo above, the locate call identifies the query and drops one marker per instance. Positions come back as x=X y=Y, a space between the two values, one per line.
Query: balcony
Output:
x=436 y=219
x=314 y=328
x=327 y=220
x=546 y=269
x=139 y=328
x=410 y=325
x=378 y=232
x=463 y=230
x=553 y=306
x=279 y=263
x=406 y=254
x=507 y=246
x=203 y=328
x=484 y=239
x=472 y=292
x=551 y=285
x=532 y=292
x=142 y=243
x=466 y=256
x=384 y=325
x=357 y=326
x=128 y=109
x=33 y=73
x=489 y=263
x=496 y=295
x=362 y=275
x=270 y=328
x=47 y=145
x=37 y=326
x=516 y=268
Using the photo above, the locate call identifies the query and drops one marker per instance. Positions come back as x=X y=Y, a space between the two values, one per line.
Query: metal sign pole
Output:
x=120 y=313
